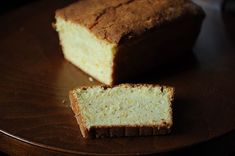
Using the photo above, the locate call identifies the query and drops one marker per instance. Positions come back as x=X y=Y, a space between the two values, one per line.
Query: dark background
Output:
x=6 y=5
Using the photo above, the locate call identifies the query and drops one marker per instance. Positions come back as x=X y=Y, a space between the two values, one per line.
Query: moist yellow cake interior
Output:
x=121 y=106
x=86 y=51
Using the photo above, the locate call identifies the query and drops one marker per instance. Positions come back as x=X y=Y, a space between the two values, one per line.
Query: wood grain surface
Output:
x=35 y=80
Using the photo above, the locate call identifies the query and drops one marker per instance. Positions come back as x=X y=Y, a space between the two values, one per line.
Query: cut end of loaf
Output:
x=83 y=49
x=123 y=110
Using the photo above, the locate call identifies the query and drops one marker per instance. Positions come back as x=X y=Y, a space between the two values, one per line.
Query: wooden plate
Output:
x=35 y=80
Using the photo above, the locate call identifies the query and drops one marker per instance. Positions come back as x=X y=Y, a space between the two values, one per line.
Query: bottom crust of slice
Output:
x=122 y=131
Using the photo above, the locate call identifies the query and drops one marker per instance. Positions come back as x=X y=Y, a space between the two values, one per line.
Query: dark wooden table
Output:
x=35 y=80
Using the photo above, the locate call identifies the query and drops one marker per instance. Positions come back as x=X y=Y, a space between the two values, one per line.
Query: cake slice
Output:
x=123 y=110
x=117 y=40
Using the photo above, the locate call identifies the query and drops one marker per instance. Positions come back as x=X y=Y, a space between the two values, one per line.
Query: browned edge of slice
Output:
x=75 y=107
x=119 y=131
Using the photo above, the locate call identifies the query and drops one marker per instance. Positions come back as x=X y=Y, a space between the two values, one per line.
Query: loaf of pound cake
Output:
x=116 y=40
x=123 y=110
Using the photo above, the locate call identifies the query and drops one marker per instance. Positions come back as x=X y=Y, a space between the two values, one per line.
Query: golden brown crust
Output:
x=75 y=107
x=115 y=20
x=152 y=51
x=126 y=131
x=118 y=131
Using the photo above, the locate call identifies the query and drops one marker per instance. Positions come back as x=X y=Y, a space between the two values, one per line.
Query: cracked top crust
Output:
x=114 y=20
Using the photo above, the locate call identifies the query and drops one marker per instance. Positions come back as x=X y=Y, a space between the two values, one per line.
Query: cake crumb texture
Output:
x=126 y=110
